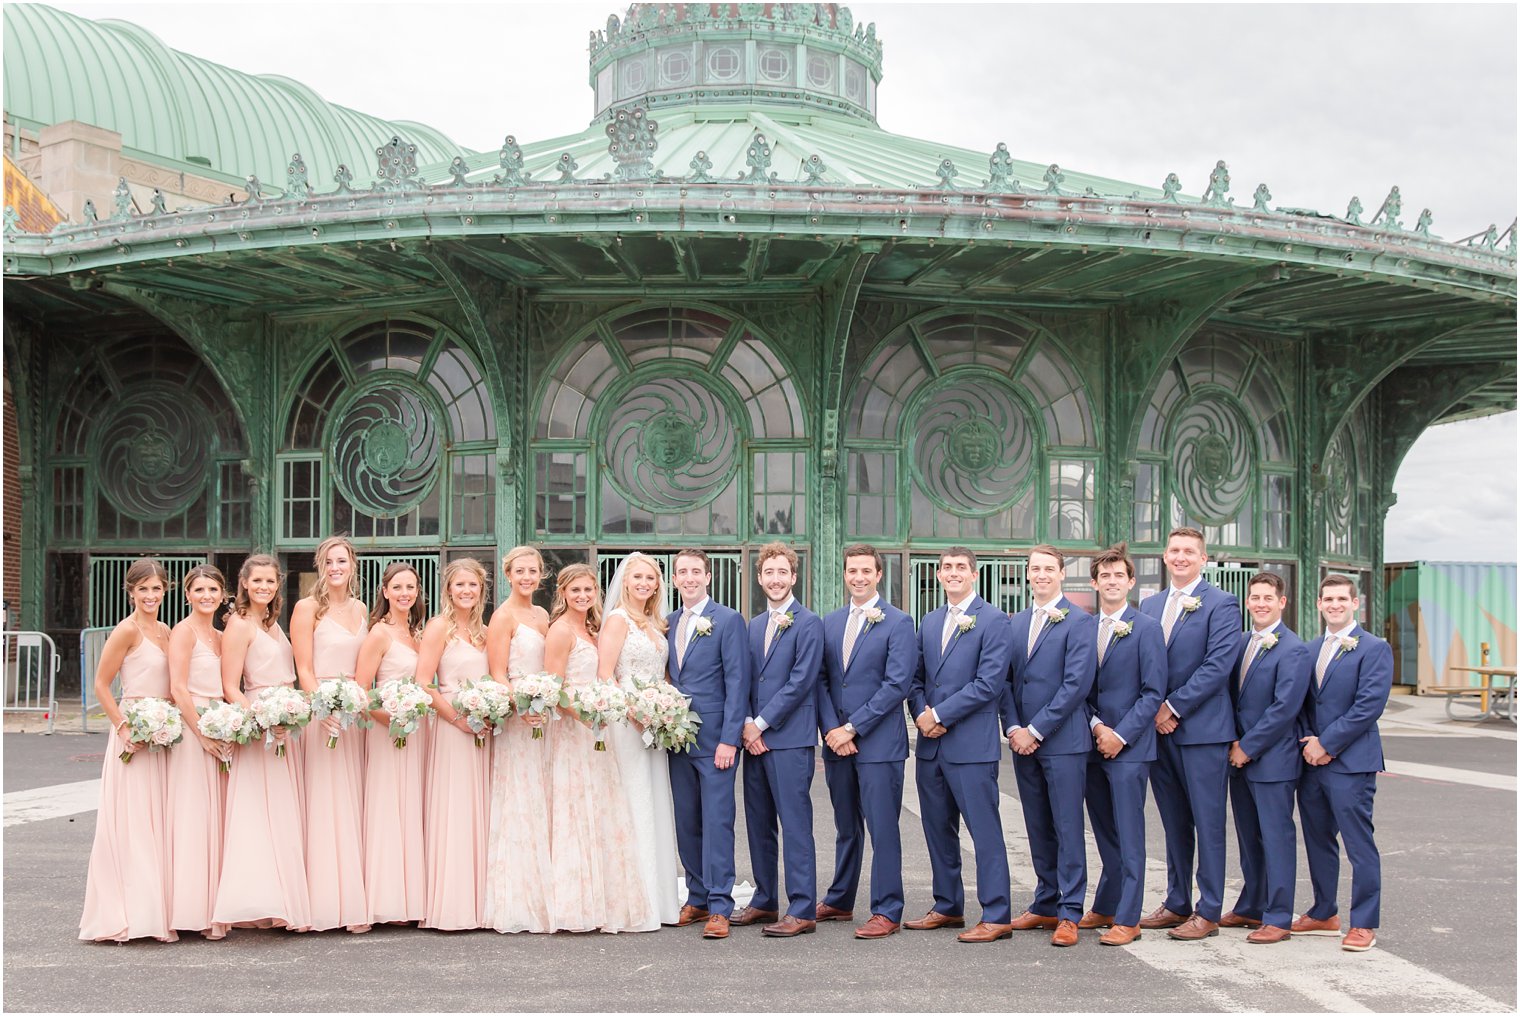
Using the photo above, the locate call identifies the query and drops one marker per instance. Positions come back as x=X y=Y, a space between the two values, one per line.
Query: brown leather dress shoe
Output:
x=824 y=912
x=934 y=919
x=1194 y=929
x=717 y=927
x=877 y=927
x=1307 y=925
x=789 y=927
x=690 y=915
x=1234 y=920
x=1120 y=934
x=1269 y=934
x=1029 y=922
x=1065 y=934
x=1359 y=939
x=984 y=932
x=1093 y=919
x=752 y=915
x=1161 y=918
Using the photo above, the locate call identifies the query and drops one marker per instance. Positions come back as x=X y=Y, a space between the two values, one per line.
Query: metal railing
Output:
x=91 y=642
x=31 y=674
x=727 y=575
x=108 y=598
x=999 y=581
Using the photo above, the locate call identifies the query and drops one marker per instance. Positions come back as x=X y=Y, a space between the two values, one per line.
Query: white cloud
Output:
x=1457 y=494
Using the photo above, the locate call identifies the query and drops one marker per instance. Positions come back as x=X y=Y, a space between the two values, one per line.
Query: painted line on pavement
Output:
x=1447 y=774
x=22 y=806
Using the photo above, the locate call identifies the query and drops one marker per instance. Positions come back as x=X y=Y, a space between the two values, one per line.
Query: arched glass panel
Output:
x=1347 y=493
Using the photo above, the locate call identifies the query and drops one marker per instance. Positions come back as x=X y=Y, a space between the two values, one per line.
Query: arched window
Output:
x=1346 y=493
x=970 y=426
x=390 y=436
x=678 y=422
x=1214 y=448
x=147 y=451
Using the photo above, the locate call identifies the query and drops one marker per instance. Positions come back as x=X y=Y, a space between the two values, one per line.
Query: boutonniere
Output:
x=1191 y=603
x=701 y=626
x=1121 y=629
x=964 y=625
x=1266 y=642
x=785 y=621
x=1348 y=643
x=875 y=615
x=1055 y=615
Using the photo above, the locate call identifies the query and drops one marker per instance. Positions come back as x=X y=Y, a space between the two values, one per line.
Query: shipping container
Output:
x=1439 y=615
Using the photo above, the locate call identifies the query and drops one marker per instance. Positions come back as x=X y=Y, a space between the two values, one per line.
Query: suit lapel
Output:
x=955 y=638
x=1050 y=623
x=865 y=629
x=1127 y=615
x=1331 y=667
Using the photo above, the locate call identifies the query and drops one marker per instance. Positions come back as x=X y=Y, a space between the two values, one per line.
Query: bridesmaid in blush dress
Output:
x=126 y=893
x=593 y=849
x=326 y=630
x=197 y=786
x=453 y=651
x=263 y=882
x=518 y=872
x=395 y=868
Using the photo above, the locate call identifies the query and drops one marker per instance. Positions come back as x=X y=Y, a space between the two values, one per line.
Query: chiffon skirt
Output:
x=456 y=824
x=395 y=861
x=196 y=806
x=126 y=892
x=263 y=882
x=518 y=872
x=334 y=781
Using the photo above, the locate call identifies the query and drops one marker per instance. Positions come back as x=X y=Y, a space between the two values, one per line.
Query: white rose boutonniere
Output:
x=1348 y=643
x=1191 y=603
x=875 y=615
x=1266 y=642
x=701 y=626
x=1121 y=629
x=964 y=625
x=785 y=621
x=1055 y=615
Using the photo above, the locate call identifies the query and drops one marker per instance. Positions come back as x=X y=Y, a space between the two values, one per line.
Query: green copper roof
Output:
x=178 y=107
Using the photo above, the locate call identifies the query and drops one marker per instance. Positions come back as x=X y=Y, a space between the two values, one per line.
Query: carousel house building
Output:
x=731 y=309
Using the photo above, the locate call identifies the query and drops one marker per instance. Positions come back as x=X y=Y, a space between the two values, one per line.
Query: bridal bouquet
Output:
x=408 y=705
x=538 y=695
x=227 y=721
x=484 y=703
x=280 y=706
x=340 y=697
x=152 y=721
x=601 y=705
x=665 y=714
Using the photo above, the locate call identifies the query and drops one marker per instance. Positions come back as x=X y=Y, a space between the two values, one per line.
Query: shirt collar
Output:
x=1271 y=628
x=783 y=608
x=1116 y=616
x=1343 y=633
x=1050 y=605
x=1187 y=590
x=964 y=606
x=700 y=605
x=873 y=601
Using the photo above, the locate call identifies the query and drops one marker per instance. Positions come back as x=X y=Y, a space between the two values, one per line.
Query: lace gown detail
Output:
x=518 y=871
x=646 y=778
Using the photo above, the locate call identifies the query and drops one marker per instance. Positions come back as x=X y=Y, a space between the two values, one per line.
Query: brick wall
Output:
x=12 y=516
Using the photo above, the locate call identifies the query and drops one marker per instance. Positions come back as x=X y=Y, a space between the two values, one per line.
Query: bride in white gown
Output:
x=633 y=647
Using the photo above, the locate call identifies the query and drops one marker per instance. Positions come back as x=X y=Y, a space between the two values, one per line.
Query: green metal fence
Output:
x=727 y=575
x=372 y=566
x=108 y=601
x=999 y=581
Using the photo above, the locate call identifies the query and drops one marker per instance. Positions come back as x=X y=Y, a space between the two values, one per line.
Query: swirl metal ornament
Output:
x=153 y=453
x=1213 y=459
x=670 y=443
x=1340 y=484
x=385 y=446
x=973 y=444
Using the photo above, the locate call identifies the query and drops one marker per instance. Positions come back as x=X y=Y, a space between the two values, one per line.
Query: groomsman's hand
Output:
x=1022 y=741
x=723 y=758
x=1313 y=753
x=750 y=735
x=850 y=748
x=757 y=746
x=1166 y=720
x=837 y=739
x=1108 y=742
x=1238 y=758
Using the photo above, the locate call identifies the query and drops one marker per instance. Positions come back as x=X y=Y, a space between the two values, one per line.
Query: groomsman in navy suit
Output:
x=1201 y=625
x=1352 y=676
x=780 y=733
x=1122 y=716
x=870 y=655
x=709 y=661
x=1267 y=688
x=962 y=669
x=1044 y=709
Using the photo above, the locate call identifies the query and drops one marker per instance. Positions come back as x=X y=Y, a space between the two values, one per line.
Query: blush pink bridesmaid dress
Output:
x=458 y=811
x=126 y=893
x=197 y=800
x=395 y=868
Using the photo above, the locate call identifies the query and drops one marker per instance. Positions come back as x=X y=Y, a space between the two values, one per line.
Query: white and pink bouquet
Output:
x=152 y=721
x=408 y=704
x=343 y=698
x=601 y=705
x=227 y=721
x=538 y=695
x=280 y=706
x=665 y=714
x=484 y=703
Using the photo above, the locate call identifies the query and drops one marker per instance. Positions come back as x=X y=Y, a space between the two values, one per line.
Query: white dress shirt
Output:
x=1186 y=590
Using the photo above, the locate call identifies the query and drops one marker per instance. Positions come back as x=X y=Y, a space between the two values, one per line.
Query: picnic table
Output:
x=1491 y=701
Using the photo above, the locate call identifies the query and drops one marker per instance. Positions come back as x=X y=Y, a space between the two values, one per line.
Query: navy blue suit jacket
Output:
x=715 y=675
x=963 y=684
x=1048 y=689
x=1268 y=704
x=1199 y=663
x=1130 y=685
x=1343 y=711
x=783 y=686
x=870 y=692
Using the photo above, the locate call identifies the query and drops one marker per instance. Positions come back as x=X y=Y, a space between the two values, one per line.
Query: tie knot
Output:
x=856 y=611
x=954 y=610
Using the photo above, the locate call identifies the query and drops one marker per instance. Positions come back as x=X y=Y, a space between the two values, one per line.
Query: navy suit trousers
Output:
x=948 y=791
x=1335 y=804
x=704 y=806
x=867 y=798
x=1268 y=843
x=1189 y=781
x=1116 y=807
x=1050 y=791
x=777 y=788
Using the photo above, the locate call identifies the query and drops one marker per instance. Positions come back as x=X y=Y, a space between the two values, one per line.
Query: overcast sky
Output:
x=1319 y=102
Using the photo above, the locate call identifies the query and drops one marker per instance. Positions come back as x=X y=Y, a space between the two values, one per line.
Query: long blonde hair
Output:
x=568 y=574
x=476 y=631
x=319 y=591
x=650 y=610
